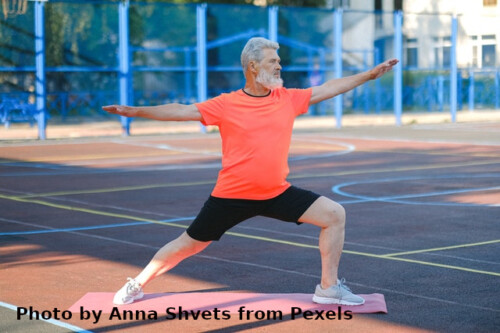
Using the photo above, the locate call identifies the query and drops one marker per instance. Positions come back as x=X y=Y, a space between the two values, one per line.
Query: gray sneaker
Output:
x=130 y=292
x=338 y=294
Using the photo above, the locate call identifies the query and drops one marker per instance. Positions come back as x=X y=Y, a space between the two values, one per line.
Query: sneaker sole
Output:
x=141 y=295
x=329 y=300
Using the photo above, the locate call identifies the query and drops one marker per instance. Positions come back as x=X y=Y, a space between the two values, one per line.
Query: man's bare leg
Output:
x=169 y=256
x=330 y=217
x=165 y=259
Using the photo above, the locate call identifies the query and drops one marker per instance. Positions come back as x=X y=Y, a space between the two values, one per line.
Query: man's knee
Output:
x=336 y=214
x=325 y=213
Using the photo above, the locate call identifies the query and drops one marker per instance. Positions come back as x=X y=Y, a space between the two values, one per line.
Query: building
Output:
x=427 y=31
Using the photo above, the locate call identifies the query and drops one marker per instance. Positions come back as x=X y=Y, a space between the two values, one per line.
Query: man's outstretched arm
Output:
x=167 y=112
x=334 y=87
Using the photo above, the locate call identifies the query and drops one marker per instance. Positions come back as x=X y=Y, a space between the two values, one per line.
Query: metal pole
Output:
x=322 y=65
x=201 y=52
x=124 y=62
x=366 y=88
x=187 y=75
x=337 y=50
x=460 y=82
x=378 y=88
x=440 y=92
x=471 y=90
x=497 y=91
x=453 y=71
x=273 y=23
x=41 y=95
x=398 y=69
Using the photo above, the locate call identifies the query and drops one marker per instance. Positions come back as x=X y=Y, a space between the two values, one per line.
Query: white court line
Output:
x=55 y=322
x=66 y=167
x=246 y=263
x=169 y=147
x=349 y=148
x=354 y=136
x=337 y=189
x=254 y=228
x=457 y=126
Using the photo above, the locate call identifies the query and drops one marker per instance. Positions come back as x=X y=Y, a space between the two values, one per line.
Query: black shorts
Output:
x=219 y=215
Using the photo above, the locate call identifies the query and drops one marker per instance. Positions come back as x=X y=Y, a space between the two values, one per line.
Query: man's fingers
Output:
x=383 y=68
x=112 y=108
x=393 y=62
x=387 y=66
x=121 y=110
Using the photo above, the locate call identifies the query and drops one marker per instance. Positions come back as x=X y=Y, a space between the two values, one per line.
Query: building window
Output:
x=489 y=3
x=488 y=55
x=483 y=51
x=411 y=52
x=446 y=56
x=442 y=51
x=379 y=23
x=380 y=47
x=398 y=4
x=345 y=4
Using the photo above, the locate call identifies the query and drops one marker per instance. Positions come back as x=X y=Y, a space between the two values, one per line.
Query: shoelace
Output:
x=342 y=285
x=132 y=286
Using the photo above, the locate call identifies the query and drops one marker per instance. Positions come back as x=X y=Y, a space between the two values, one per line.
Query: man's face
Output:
x=269 y=73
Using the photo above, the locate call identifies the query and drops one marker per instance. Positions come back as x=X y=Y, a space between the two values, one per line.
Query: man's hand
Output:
x=122 y=110
x=382 y=68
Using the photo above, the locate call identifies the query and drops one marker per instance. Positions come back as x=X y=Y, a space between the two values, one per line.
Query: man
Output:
x=255 y=126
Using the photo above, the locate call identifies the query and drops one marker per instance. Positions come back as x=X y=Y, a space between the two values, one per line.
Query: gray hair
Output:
x=253 y=50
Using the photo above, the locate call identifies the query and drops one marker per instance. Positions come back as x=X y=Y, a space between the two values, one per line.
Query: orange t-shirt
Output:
x=256 y=134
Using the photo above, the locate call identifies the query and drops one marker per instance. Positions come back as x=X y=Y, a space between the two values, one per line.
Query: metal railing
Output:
x=152 y=70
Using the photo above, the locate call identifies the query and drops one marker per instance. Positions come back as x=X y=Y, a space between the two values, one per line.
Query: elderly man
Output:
x=255 y=126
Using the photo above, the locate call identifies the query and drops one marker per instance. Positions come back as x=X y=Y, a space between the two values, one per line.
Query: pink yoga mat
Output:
x=224 y=301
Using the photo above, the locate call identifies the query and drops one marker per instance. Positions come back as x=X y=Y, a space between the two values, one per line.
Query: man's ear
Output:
x=253 y=66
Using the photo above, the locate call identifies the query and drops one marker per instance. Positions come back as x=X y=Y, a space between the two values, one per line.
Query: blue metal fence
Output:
x=153 y=53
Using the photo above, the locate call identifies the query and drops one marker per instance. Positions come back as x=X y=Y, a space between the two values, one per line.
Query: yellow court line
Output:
x=441 y=248
x=267 y=239
x=86 y=210
x=365 y=254
x=114 y=189
x=343 y=173
x=427 y=263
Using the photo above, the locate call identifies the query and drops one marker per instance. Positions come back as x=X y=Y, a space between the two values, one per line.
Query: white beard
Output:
x=269 y=81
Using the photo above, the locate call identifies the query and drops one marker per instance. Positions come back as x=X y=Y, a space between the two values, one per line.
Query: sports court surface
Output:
x=423 y=213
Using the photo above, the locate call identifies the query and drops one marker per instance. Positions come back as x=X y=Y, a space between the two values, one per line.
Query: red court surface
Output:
x=78 y=217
